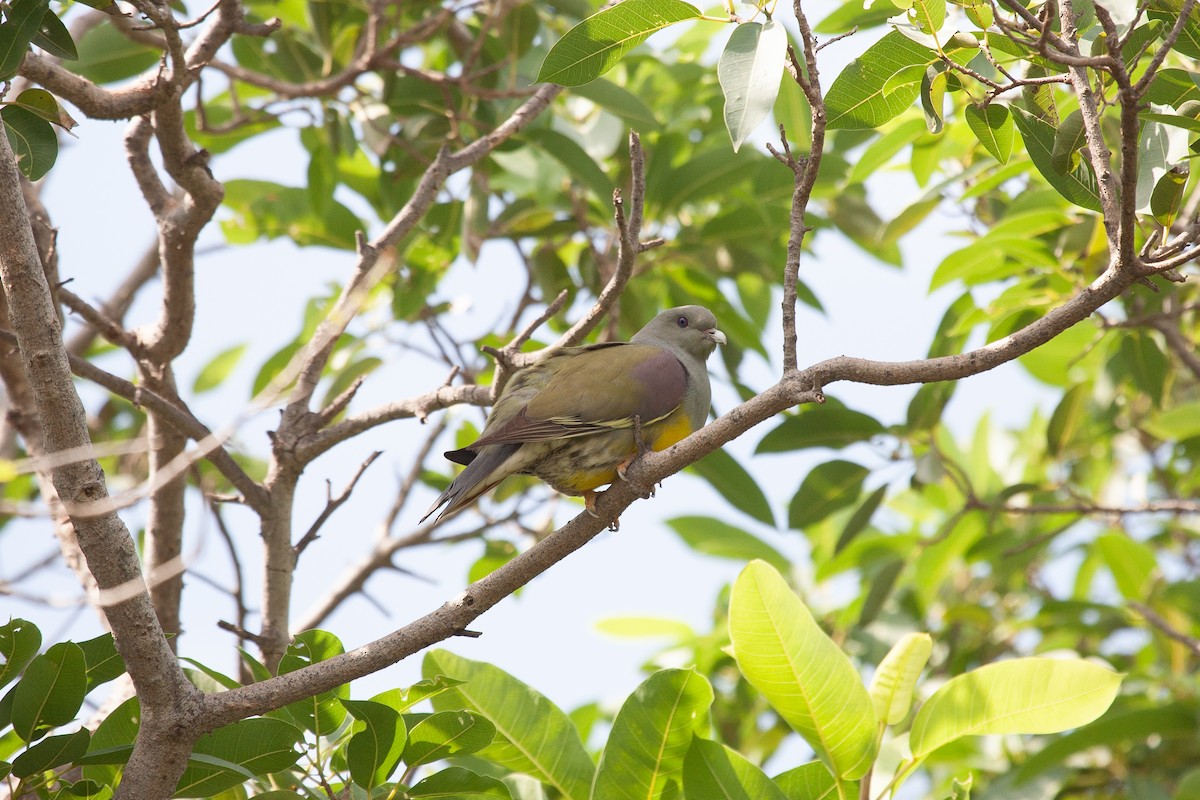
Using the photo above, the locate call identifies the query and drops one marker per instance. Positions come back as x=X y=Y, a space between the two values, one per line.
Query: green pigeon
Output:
x=570 y=418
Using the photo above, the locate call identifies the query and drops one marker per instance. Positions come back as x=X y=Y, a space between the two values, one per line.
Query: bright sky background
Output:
x=546 y=636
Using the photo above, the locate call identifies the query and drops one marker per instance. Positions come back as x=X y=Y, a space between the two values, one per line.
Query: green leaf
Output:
x=32 y=139
x=229 y=756
x=1069 y=138
x=650 y=736
x=1067 y=418
x=1174 y=87
x=324 y=713
x=51 y=752
x=1079 y=186
x=1148 y=365
x=112 y=742
x=810 y=781
x=786 y=656
x=1178 y=423
x=51 y=691
x=54 y=38
x=44 y=105
x=22 y=18
x=107 y=56
x=856 y=13
x=1167 y=197
x=595 y=45
x=735 y=484
x=217 y=370
x=716 y=538
x=820 y=426
x=881 y=151
x=445 y=734
x=895 y=679
x=19 y=643
x=1024 y=695
x=645 y=627
x=456 y=783
x=579 y=164
x=828 y=487
x=103 y=661
x=713 y=771
x=269 y=210
x=860 y=519
x=749 y=71
x=928 y=15
x=878 y=85
x=1134 y=565
x=1170 y=721
x=373 y=752
x=620 y=101
x=534 y=735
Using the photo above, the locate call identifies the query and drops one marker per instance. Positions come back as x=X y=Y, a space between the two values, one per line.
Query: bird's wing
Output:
x=597 y=389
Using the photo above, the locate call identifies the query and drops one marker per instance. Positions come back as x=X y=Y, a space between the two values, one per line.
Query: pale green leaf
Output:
x=217 y=370
x=896 y=676
x=1024 y=695
x=650 y=736
x=786 y=656
x=1133 y=564
x=713 y=771
x=533 y=735
x=749 y=71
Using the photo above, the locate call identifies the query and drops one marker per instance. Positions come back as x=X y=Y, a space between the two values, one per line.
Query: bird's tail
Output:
x=480 y=475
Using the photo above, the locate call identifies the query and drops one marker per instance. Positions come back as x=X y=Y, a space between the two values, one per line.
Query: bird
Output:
x=579 y=416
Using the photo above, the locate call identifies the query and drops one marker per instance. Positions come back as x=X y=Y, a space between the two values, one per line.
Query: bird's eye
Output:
x=682 y=322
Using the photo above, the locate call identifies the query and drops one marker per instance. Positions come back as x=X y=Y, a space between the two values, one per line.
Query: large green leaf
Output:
x=716 y=538
x=373 y=753
x=993 y=127
x=595 y=45
x=445 y=734
x=749 y=71
x=713 y=771
x=51 y=691
x=534 y=735
x=106 y=55
x=735 y=484
x=1079 y=185
x=51 y=752
x=21 y=21
x=810 y=781
x=879 y=84
x=827 y=488
x=1024 y=695
x=786 y=656
x=230 y=755
x=820 y=426
x=1133 y=565
x=456 y=783
x=579 y=164
x=32 y=139
x=323 y=713
x=650 y=736
x=19 y=643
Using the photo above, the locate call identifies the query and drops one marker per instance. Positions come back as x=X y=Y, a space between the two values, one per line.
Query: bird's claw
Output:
x=643 y=492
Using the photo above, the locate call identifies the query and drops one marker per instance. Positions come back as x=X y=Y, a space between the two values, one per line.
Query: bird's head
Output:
x=692 y=329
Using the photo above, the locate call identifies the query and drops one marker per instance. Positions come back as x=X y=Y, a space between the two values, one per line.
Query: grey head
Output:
x=685 y=330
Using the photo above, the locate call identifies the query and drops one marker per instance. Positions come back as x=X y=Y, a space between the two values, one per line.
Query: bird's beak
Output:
x=716 y=336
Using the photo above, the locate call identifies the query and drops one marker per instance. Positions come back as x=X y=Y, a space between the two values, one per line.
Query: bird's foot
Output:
x=643 y=491
x=589 y=505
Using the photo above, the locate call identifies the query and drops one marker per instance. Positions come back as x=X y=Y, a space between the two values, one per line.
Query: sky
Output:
x=546 y=636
